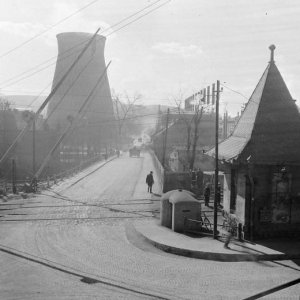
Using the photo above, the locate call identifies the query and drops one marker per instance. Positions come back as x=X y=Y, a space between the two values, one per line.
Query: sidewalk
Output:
x=205 y=247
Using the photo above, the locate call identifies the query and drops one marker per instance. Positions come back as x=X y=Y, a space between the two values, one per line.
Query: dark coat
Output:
x=207 y=192
x=149 y=179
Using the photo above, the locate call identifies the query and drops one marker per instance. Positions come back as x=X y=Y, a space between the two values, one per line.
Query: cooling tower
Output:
x=98 y=115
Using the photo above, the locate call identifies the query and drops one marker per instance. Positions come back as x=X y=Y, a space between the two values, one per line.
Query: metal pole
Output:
x=22 y=132
x=14 y=188
x=119 y=124
x=33 y=146
x=73 y=120
x=165 y=140
x=215 y=231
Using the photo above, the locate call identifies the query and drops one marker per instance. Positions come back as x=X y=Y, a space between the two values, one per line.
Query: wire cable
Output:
x=79 y=44
x=48 y=29
x=68 y=89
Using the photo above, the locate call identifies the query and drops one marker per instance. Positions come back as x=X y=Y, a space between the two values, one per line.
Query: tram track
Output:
x=73 y=219
x=81 y=204
x=85 y=277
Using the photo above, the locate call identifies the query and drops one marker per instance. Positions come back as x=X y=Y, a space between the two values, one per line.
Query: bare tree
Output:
x=191 y=121
x=4 y=104
x=124 y=111
x=196 y=121
x=188 y=124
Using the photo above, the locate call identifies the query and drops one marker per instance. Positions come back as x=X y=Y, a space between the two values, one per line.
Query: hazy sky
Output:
x=179 y=48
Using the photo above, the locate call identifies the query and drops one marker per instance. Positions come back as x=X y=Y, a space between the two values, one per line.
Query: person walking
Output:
x=231 y=230
x=150 y=181
x=207 y=195
x=219 y=195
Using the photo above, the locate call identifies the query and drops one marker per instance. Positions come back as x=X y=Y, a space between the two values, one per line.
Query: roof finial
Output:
x=272 y=48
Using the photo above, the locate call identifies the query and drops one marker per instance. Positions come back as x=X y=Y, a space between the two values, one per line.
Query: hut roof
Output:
x=268 y=131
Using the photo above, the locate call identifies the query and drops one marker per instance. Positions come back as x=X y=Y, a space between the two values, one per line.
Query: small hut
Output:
x=261 y=161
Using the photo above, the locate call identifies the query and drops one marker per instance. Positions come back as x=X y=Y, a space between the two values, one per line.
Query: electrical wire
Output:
x=115 y=121
x=237 y=92
x=48 y=29
x=37 y=97
x=81 y=43
x=68 y=89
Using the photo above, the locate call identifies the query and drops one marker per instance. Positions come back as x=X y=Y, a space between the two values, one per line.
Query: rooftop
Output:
x=268 y=130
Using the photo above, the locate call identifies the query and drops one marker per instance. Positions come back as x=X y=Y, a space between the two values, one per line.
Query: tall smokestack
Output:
x=79 y=83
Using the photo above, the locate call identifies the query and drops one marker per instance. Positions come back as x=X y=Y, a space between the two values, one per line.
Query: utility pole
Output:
x=13 y=175
x=33 y=145
x=119 y=135
x=54 y=90
x=158 y=121
x=215 y=231
x=225 y=125
x=165 y=139
x=79 y=115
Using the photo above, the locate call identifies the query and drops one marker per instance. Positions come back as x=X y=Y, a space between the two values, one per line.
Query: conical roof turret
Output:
x=268 y=130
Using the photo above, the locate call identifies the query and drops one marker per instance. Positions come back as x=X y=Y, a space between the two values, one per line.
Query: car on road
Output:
x=134 y=152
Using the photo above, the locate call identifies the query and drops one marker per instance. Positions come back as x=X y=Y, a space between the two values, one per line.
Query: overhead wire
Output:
x=90 y=60
x=118 y=23
x=41 y=108
x=38 y=96
x=48 y=29
x=148 y=12
x=112 y=121
x=81 y=43
x=68 y=89
x=69 y=127
x=235 y=91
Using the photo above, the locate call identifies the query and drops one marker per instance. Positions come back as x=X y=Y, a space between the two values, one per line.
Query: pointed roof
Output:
x=268 y=131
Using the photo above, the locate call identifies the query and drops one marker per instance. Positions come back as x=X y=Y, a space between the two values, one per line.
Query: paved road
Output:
x=76 y=242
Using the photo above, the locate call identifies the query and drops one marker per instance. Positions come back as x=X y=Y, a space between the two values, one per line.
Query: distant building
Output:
x=261 y=160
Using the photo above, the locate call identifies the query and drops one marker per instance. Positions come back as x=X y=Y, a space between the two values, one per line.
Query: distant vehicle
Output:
x=134 y=152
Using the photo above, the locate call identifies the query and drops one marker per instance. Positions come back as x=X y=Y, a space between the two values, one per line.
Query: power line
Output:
x=37 y=97
x=41 y=108
x=61 y=58
x=136 y=19
x=237 y=92
x=38 y=70
x=48 y=29
x=69 y=88
x=60 y=101
x=79 y=44
x=68 y=128
x=112 y=121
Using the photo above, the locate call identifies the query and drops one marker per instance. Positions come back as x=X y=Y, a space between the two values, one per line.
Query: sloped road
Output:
x=76 y=242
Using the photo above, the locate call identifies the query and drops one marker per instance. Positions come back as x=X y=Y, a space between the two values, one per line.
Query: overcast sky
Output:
x=179 y=48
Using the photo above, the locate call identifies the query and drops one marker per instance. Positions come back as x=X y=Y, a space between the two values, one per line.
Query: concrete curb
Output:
x=225 y=257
